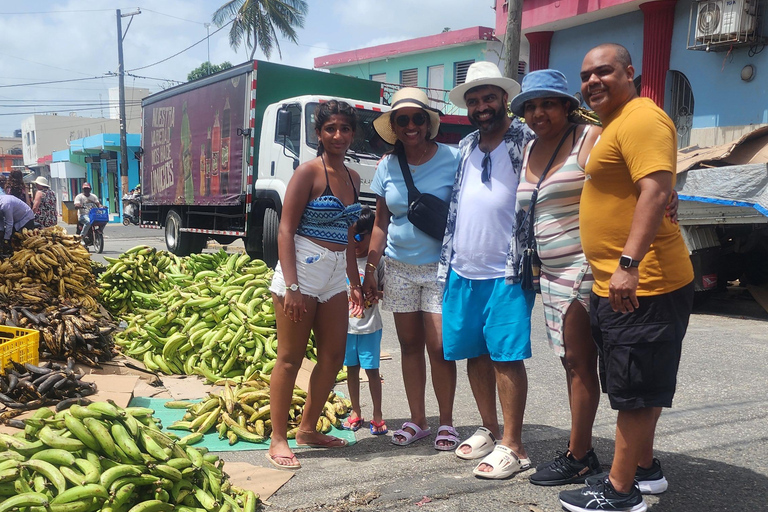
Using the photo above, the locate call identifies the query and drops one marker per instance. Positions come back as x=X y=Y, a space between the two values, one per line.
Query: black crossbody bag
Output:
x=427 y=212
x=530 y=268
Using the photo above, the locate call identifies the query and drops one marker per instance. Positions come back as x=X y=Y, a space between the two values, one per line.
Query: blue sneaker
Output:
x=602 y=496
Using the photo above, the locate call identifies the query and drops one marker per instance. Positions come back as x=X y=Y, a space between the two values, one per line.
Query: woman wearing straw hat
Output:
x=411 y=289
x=44 y=204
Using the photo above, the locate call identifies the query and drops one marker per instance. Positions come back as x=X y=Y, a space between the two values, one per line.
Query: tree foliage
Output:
x=257 y=22
x=206 y=68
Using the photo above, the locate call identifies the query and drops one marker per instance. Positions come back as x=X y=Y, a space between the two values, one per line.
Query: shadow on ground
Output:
x=374 y=474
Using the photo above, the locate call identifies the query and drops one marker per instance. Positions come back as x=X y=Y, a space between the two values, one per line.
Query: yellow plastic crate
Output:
x=20 y=345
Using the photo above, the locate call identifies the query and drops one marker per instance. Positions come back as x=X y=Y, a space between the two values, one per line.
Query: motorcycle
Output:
x=131 y=204
x=95 y=237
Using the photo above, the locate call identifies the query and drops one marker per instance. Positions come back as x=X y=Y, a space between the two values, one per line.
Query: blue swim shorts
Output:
x=363 y=350
x=486 y=316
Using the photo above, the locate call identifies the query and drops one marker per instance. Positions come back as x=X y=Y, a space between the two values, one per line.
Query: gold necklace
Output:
x=420 y=159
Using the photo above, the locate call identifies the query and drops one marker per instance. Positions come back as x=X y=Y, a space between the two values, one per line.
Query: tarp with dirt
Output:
x=734 y=174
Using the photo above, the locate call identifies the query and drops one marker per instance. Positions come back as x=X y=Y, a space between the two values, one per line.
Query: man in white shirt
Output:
x=485 y=320
x=84 y=202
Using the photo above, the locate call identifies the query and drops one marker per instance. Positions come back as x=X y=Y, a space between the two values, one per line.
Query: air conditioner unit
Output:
x=721 y=20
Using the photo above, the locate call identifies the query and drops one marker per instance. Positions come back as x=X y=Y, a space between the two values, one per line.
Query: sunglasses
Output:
x=359 y=236
x=418 y=119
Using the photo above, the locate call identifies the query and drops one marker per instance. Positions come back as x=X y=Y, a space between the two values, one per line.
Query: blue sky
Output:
x=46 y=41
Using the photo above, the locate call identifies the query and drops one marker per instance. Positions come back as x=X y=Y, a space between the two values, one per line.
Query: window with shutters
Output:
x=379 y=77
x=409 y=77
x=460 y=71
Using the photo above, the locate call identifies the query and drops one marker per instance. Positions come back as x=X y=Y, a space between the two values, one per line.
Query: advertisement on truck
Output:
x=195 y=157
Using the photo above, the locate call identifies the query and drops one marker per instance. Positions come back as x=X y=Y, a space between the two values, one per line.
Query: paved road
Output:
x=713 y=443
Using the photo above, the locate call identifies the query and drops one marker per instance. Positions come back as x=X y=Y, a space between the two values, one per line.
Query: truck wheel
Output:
x=269 y=237
x=176 y=241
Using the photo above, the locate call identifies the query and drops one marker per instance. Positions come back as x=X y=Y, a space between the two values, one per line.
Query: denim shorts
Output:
x=640 y=351
x=322 y=273
x=409 y=288
x=363 y=350
x=486 y=316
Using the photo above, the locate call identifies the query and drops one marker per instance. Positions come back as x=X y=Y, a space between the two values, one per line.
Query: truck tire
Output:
x=177 y=242
x=269 y=237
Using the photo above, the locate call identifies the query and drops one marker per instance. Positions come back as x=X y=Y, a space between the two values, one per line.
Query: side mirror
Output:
x=284 y=118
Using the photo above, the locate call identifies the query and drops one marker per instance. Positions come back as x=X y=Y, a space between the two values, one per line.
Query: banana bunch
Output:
x=216 y=322
x=242 y=412
x=140 y=269
x=54 y=264
x=65 y=330
x=103 y=457
x=583 y=116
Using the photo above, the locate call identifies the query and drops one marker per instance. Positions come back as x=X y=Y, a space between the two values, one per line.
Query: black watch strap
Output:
x=626 y=262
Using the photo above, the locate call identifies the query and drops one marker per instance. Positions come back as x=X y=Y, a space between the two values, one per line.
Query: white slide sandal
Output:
x=481 y=443
x=504 y=462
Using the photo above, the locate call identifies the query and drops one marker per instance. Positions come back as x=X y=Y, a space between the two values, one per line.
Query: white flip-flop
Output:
x=504 y=462
x=481 y=442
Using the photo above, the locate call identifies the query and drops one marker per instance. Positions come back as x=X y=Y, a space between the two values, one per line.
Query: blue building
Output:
x=96 y=159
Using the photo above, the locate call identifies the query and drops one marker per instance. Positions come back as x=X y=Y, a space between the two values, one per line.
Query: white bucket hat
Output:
x=40 y=180
x=483 y=73
x=407 y=97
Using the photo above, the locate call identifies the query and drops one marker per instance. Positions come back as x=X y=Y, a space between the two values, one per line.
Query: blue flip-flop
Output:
x=373 y=426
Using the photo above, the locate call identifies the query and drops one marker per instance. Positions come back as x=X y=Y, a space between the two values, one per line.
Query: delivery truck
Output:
x=219 y=152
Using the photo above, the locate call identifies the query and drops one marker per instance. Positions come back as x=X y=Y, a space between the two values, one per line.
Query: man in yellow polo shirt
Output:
x=643 y=291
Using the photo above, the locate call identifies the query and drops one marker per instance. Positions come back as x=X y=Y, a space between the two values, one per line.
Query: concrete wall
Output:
x=569 y=46
x=53 y=133
x=8 y=143
x=133 y=97
x=725 y=107
x=447 y=57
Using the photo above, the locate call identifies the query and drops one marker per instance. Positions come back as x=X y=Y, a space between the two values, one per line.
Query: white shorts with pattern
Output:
x=409 y=288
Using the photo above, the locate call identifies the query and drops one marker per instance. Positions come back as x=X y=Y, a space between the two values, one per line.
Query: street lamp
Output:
x=208 y=42
x=121 y=88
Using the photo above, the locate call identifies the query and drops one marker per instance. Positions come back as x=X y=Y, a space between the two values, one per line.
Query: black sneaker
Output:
x=650 y=481
x=602 y=496
x=565 y=469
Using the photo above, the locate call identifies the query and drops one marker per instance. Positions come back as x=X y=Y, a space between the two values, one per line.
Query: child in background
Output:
x=364 y=337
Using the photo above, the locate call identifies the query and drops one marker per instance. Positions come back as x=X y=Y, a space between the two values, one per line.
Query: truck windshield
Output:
x=367 y=144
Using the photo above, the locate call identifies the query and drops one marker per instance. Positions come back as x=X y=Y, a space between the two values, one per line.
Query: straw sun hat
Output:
x=407 y=97
x=40 y=180
x=483 y=73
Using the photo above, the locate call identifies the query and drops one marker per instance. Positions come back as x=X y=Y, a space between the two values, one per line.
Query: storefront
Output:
x=96 y=159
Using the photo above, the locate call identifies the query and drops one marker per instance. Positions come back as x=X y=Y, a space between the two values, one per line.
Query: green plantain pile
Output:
x=242 y=413
x=103 y=457
x=207 y=314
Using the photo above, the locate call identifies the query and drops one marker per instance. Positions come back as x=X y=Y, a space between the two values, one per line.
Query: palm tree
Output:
x=256 y=22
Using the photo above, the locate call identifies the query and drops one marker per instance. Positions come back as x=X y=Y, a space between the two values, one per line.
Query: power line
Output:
x=50 y=111
x=52 y=82
x=185 y=49
x=152 y=78
x=171 y=16
x=52 y=12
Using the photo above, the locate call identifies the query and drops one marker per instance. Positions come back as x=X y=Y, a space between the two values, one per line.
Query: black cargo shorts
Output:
x=639 y=352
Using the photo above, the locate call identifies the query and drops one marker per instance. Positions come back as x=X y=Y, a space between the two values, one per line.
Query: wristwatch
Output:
x=294 y=287
x=627 y=262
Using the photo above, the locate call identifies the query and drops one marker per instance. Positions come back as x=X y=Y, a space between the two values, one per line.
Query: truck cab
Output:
x=287 y=139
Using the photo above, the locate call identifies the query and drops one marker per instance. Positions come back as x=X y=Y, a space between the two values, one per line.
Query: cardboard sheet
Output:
x=749 y=149
x=263 y=481
x=186 y=387
x=211 y=440
x=118 y=388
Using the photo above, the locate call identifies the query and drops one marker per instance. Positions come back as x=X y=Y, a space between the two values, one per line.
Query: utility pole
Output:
x=121 y=88
x=512 y=37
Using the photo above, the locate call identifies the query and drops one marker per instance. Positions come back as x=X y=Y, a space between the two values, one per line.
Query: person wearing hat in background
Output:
x=411 y=289
x=485 y=320
x=84 y=202
x=44 y=204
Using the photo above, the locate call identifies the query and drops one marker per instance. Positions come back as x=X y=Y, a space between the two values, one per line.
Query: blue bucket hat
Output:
x=544 y=83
